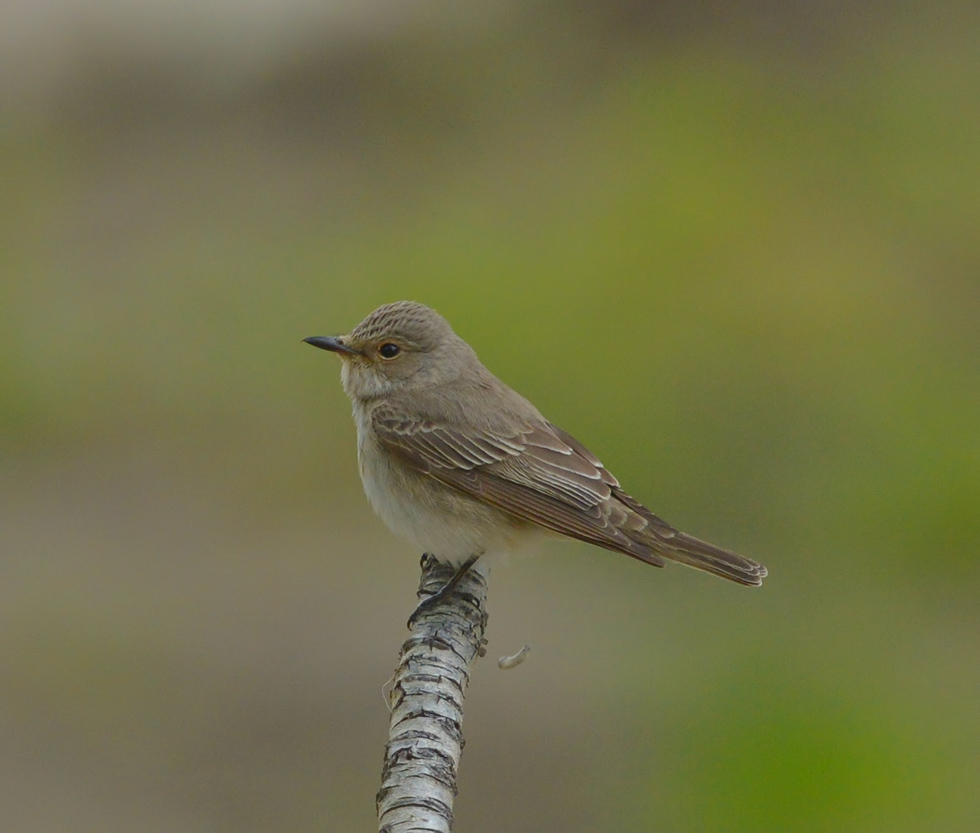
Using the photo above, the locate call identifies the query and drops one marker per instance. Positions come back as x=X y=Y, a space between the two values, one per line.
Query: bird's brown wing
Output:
x=533 y=473
x=539 y=473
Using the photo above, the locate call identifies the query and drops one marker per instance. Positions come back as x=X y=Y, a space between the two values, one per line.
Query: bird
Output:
x=462 y=466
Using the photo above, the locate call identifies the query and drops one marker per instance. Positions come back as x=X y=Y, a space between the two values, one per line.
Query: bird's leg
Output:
x=443 y=591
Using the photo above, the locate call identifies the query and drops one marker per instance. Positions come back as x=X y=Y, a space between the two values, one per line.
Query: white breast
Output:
x=435 y=518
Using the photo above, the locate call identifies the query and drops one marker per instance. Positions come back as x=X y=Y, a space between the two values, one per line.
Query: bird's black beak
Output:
x=334 y=345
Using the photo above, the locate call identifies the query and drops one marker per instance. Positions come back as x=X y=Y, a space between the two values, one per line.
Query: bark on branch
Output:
x=425 y=739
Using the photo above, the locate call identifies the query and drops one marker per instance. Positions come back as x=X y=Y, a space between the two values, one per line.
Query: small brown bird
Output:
x=462 y=465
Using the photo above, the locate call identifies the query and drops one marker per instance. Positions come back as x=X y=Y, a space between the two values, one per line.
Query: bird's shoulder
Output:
x=522 y=449
x=442 y=434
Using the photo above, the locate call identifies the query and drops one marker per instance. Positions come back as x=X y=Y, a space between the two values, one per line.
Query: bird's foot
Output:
x=430 y=601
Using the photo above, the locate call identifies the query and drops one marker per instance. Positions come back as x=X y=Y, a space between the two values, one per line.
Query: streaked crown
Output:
x=408 y=322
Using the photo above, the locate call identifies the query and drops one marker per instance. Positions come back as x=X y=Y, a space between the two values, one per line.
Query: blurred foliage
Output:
x=743 y=271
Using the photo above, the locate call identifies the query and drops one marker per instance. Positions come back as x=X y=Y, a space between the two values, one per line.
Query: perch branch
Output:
x=425 y=739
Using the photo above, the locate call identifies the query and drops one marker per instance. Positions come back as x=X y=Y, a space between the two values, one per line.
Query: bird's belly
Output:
x=434 y=517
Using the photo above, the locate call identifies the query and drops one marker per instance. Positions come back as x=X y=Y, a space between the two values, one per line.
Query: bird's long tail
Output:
x=685 y=549
x=663 y=541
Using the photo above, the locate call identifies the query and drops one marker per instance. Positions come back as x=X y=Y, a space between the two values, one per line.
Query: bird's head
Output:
x=400 y=346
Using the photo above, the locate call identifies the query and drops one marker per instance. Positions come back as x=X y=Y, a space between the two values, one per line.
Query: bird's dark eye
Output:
x=389 y=350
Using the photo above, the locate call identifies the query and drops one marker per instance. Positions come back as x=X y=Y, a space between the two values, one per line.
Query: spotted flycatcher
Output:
x=462 y=465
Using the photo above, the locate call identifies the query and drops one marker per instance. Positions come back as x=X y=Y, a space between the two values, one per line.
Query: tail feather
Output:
x=685 y=549
x=663 y=540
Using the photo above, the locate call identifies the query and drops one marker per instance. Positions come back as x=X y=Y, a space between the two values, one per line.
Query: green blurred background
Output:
x=733 y=250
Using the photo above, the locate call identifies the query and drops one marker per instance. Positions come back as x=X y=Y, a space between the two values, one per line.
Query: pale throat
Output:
x=360 y=382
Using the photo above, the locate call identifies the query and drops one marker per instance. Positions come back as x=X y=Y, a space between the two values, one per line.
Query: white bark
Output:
x=425 y=739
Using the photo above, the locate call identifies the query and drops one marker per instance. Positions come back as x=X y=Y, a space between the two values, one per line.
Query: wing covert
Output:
x=536 y=473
